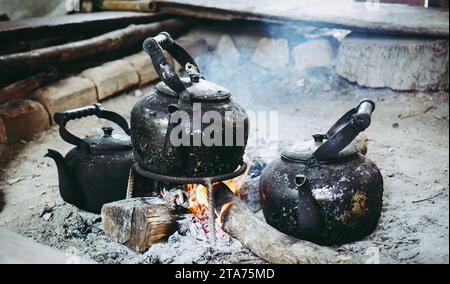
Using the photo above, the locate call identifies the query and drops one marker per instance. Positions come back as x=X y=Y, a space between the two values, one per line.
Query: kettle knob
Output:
x=107 y=131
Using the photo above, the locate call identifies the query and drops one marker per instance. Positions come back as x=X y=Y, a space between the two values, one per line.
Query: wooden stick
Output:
x=34 y=61
x=137 y=6
x=265 y=241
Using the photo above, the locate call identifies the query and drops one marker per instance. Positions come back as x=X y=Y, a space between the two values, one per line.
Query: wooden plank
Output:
x=356 y=16
x=76 y=24
x=15 y=249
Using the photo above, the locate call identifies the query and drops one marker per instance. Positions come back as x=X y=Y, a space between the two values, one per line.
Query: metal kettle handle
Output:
x=153 y=47
x=61 y=118
x=345 y=130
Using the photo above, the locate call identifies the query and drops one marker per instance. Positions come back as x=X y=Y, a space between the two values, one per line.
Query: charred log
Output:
x=265 y=241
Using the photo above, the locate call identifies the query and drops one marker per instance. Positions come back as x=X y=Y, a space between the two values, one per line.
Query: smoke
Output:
x=266 y=66
x=260 y=63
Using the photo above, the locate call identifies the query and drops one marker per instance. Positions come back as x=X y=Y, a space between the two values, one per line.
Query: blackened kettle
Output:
x=325 y=191
x=188 y=127
x=96 y=171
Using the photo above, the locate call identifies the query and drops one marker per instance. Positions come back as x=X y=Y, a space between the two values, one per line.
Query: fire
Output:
x=196 y=201
x=198 y=197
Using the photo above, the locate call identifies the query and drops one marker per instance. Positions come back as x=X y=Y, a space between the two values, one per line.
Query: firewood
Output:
x=25 y=87
x=142 y=63
x=138 y=223
x=125 y=5
x=23 y=119
x=265 y=241
x=69 y=93
x=249 y=194
x=112 y=77
x=20 y=64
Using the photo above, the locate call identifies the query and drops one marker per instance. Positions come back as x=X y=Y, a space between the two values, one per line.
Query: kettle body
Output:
x=329 y=197
x=96 y=171
x=188 y=127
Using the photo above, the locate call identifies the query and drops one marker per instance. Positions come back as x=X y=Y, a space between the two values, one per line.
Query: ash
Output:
x=79 y=233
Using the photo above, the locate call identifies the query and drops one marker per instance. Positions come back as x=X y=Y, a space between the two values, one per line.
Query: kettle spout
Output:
x=67 y=184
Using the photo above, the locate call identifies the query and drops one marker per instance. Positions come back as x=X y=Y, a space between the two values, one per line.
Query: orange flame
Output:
x=198 y=198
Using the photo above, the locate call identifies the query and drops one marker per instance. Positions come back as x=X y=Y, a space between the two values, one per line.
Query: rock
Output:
x=397 y=63
x=227 y=51
x=112 y=77
x=271 y=53
x=311 y=54
x=69 y=93
x=143 y=65
x=75 y=226
x=47 y=216
x=138 y=222
x=22 y=119
x=408 y=254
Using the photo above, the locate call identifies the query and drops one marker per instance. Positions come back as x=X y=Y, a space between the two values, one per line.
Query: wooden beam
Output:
x=17 y=66
x=355 y=16
x=75 y=24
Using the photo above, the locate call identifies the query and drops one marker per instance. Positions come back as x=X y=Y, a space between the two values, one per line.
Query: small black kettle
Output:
x=325 y=191
x=96 y=171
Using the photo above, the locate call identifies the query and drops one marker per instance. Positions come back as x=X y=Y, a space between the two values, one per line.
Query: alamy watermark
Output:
x=213 y=128
x=73 y=5
x=372 y=5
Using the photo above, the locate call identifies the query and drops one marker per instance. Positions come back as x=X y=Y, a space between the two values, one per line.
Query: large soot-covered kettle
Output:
x=157 y=120
x=96 y=171
x=325 y=191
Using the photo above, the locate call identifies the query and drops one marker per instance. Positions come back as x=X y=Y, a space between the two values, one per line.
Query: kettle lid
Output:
x=304 y=151
x=201 y=90
x=339 y=138
x=108 y=141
